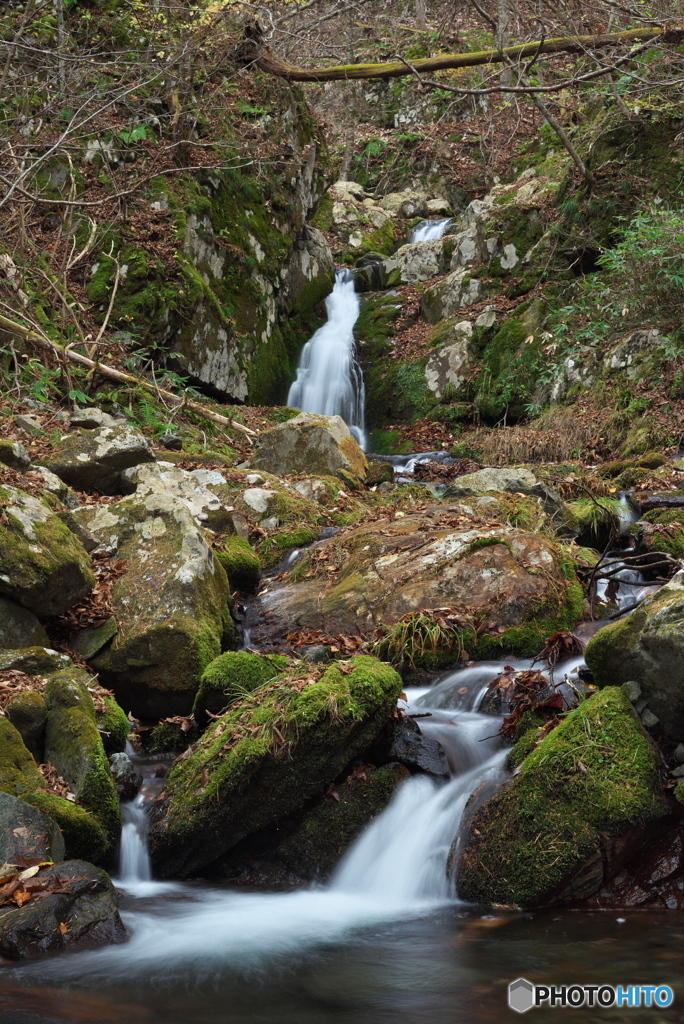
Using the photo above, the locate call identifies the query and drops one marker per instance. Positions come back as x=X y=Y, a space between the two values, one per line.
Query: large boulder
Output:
x=648 y=648
x=80 y=911
x=19 y=627
x=28 y=712
x=311 y=444
x=585 y=799
x=42 y=565
x=418 y=261
x=456 y=291
x=171 y=603
x=26 y=832
x=192 y=488
x=266 y=757
x=510 y=579
x=93 y=460
x=229 y=677
x=451 y=364
x=505 y=479
x=406 y=204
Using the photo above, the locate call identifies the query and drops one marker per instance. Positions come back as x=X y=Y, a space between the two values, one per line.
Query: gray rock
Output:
x=405 y=204
x=633 y=692
x=451 y=364
x=14 y=455
x=311 y=444
x=27 y=832
x=514 y=479
x=29 y=424
x=416 y=751
x=87 y=911
x=192 y=488
x=95 y=459
x=172 y=442
x=92 y=419
x=19 y=627
x=679 y=753
x=648 y=719
x=678 y=773
x=126 y=777
x=72 y=523
x=456 y=291
x=53 y=485
x=33 y=661
x=92 y=639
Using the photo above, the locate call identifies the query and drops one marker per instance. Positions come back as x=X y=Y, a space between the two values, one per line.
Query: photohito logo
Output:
x=523 y=995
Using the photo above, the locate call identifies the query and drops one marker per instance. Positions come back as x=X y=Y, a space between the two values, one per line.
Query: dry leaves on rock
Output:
x=54 y=783
x=527 y=691
x=13 y=682
x=20 y=884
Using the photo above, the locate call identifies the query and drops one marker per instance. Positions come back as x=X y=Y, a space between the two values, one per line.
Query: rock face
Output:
x=27 y=832
x=572 y=816
x=19 y=627
x=451 y=364
x=266 y=757
x=388 y=570
x=192 y=488
x=86 y=909
x=313 y=444
x=42 y=565
x=28 y=714
x=647 y=647
x=93 y=460
x=170 y=604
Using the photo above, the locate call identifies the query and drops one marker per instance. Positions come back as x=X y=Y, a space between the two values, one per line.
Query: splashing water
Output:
x=429 y=230
x=329 y=379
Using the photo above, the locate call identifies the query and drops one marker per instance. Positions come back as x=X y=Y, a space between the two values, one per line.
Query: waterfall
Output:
x=134 y=860
x=428 y=230
x=329 y=379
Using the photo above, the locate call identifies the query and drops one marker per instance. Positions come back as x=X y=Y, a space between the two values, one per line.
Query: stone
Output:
x=170 y=604
x=451 y=364
x=33 y=661
x=93 y=638
x=553 y=832
x=14 y=455
x=53 y=485
x=19 y=627
x=127 y=778
x=311 y=269
x=405 y=204
x=632 y=691
x=439 y=207
x=27 y=832
x=29 y=424
x=311 y=444
x=229 y=677
x=648 y=647
x=679 y=753
x=172 y=442
x=648 y=719
x=28 y=713
x=512 y=479
x=238 y=780
x=92 y=419
x=630 y=352
x=456 y=291
x=678 y=773
x=93 y=460
x=193 y=488
x=418 y=261
x=343 y=188
x=408 y=745
x=85 y=916
x=42 y=565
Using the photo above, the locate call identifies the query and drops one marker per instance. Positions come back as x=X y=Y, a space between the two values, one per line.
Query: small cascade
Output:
x=135 y=868
x=329 y=379
x=429 y=230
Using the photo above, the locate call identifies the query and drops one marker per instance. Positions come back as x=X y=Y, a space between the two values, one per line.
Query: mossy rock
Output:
x=242 y=564
x=74 y=746
x=542 y=839
x=113 y=725
x=44 y=567
x=28 y=714
x=662 y=530
x=266 y=757
x=230 y=677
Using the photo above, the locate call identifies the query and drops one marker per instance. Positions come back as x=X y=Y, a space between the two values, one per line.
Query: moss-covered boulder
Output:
x=92 y=460
x=266 y=757
x=19 y=627
x=242 y=564
x=314 y=848
x=648 y=647
x=113 y=725
x=74 y=746
x=310 y=444
x=519 y=583
x=20 y=776
x=28 y=713
x=170 y=604
x=662 y=530
x=230 y=677
x=42 y=565
x=583 y=799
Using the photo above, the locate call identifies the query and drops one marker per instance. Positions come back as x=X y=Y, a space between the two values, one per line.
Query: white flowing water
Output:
x=329 y=379
x=428 y=230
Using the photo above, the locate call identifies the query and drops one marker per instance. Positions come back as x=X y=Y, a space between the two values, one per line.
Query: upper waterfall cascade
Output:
x=329 y=379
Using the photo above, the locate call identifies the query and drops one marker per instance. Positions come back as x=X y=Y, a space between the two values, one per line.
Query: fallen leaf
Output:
x=63 y=928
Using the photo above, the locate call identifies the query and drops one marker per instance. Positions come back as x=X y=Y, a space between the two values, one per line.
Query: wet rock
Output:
x=408 y=745
x=27 y=832
x=19 y=627
x=171 y=604
x=648 y=647
x=312 y=444
x=86 y=916
x=95 y=459
x=42 y=565
x=28 y=714
x=570 y=817
x=126 y=777
x=14 y=455
x=267 y=757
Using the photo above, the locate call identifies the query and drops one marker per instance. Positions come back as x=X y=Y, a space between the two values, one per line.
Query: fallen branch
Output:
x=254 y=51
x=110 y=372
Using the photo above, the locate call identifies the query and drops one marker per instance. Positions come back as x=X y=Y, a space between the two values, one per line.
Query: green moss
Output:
x=269 y=754
x=664 y=531
x=241 y=563
x=594 y=519
x=527 y=733
x=229 y=677
x=84 y=836
x=19 y=773
x=509 y=371
x=113 y=725
x=596 y=774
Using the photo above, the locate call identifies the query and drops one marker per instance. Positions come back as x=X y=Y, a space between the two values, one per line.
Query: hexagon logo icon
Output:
x=521 y=995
